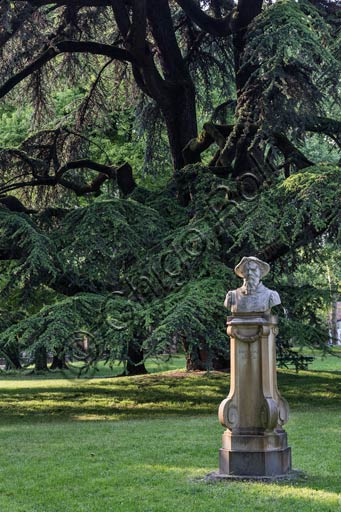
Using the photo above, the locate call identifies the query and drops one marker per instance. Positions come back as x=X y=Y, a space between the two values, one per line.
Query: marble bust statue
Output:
x=252 y=296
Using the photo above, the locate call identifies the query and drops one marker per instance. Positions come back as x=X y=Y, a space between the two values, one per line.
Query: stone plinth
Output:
x=254 y=412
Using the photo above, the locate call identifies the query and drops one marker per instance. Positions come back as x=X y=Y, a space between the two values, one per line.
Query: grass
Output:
x=143 y=444
x=323 y=362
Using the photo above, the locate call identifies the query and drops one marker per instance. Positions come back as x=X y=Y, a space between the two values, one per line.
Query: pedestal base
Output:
x=254 y=412
x=262 y=463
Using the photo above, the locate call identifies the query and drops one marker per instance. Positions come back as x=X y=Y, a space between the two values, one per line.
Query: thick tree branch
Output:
x=291 y=154
x=82 y=190
x=85 y=163
x=278 y=249
x=64 y=47
x=162 y=28
x=145 y=71
x=121 y=16
x=192 y=151
x=211 y=133
x=247 y=10
x=137 y=34
x=122 y=174
x=125 y=179
x=214 y=26
x=330 y=127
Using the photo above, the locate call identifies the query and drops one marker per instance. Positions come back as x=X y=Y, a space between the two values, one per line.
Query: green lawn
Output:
x=143 y=444
x=324 y=362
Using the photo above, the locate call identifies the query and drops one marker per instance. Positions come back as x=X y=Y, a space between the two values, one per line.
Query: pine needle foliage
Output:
x=146 y=270
x=296 y=70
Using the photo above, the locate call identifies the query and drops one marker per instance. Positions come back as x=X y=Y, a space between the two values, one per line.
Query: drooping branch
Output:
x=327 y=7
x=87 y=99
x=55 y=49
x=7 y=32
x=123 y=175
x=36 y=165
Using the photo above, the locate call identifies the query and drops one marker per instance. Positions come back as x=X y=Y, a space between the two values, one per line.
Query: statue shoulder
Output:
x=274 y=298
x=229 y=299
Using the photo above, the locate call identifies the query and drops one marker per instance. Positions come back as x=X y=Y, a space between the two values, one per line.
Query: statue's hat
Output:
x=241 y=267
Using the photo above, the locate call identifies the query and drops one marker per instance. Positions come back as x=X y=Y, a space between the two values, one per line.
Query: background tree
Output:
x=154 y=264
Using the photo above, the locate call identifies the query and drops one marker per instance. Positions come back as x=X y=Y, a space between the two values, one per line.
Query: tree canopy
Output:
x=112 y=241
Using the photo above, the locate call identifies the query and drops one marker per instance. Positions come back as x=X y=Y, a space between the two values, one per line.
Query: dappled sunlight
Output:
x=117 y=439
x=299 y=492
x=154 y=395
x=165 y=468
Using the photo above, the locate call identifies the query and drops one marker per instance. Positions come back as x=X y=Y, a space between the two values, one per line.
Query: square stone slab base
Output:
x=255 y=463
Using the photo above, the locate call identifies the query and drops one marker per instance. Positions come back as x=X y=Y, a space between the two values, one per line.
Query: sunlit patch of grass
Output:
x=323 y=362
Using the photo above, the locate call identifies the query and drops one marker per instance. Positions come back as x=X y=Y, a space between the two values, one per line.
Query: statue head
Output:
x=252 y=270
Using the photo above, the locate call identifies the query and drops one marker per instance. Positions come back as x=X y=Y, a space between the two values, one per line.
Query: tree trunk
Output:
x=13 y=359
x=135 y=364
x=40 y=360
x=204 y=358
x=333 y=324
x=236 y=149
x=58 y=363
x=181 y=121
x=176 y=94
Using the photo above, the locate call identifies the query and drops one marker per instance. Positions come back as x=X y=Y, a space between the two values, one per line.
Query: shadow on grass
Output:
x=311 y=388
x=149 y=396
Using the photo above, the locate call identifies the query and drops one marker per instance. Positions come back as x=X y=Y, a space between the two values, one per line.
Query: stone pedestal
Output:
x=254 y=412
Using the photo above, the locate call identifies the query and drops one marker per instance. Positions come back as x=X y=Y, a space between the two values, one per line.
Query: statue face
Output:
x=252 y=274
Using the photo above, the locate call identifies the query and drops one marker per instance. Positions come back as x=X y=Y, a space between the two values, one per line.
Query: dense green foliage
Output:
x=294 y=53
x=134 y=270
x=139 y=269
